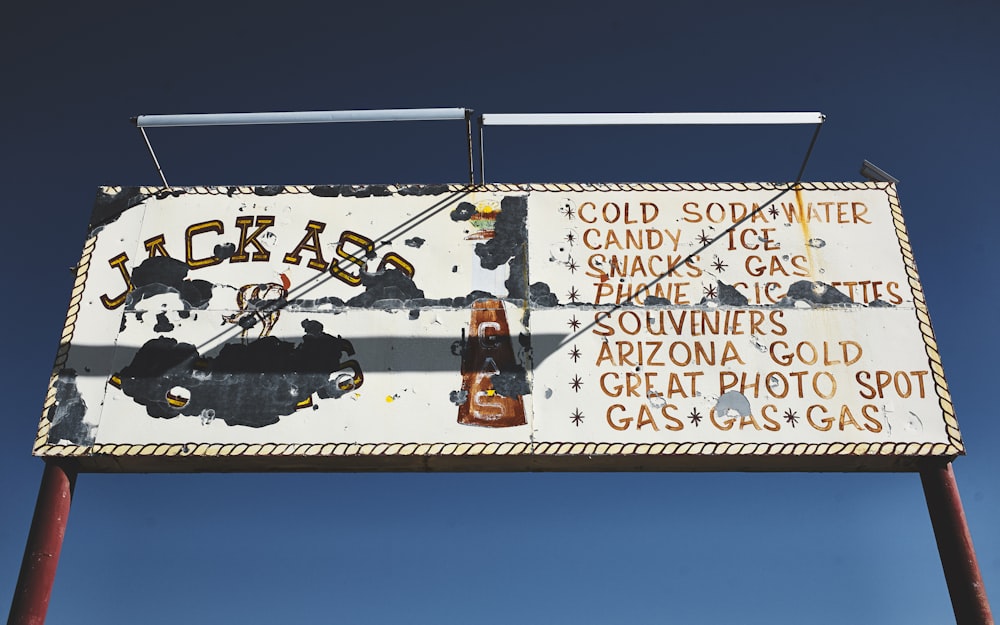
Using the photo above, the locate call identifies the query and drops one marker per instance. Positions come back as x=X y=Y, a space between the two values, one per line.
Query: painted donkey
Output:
x=258 y=303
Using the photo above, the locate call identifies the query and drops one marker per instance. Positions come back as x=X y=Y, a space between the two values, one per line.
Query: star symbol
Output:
x=773 y=211
x=576 y=417
x=574 y=323
x=695 y=417
x=573 y=296
x=571 y=265
x=576 y=383
x=704 y=239
x=791 y=417
x=567 y=209
x=571 y=238
x=575 y=353
x=719 y=265
x=709 y=291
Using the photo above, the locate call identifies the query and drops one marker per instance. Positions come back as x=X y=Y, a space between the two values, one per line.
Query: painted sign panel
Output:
x=499 y=327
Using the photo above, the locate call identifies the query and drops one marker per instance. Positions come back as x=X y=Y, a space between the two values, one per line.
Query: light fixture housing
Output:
x=872 y=172
x=299 y=117
x=623 y=119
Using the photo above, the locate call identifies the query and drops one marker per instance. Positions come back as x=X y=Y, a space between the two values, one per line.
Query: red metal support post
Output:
x=45 y=539
x=958 y=558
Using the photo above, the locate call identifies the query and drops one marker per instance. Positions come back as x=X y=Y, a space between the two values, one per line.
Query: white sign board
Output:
x=512 y=327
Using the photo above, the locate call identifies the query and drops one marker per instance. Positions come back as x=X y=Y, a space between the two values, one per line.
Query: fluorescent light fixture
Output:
x=873 y=172
x=299 y=117
x=617 y=119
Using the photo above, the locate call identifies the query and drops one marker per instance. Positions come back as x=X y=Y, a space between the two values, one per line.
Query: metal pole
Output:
x=468 y=136
x=156 y=161
x=958 y=558
x=45 y=539
x=482 y=154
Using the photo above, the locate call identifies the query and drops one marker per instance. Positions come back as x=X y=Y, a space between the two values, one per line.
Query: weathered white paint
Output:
x=804 y=384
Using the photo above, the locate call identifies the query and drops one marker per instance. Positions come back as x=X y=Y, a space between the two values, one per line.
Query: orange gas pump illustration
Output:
x=487 y=360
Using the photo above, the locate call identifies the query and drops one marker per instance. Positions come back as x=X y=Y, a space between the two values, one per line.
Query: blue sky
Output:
x=910 y=86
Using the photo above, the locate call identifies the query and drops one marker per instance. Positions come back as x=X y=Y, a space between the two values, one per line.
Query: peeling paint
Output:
x=735 y=401
x=540 y=294
x=160 y=274
x=162 y=323
x=232 y=383
x=361 y=190
x=656 y=399
x=463 y=212
x=729 y=296
x=108 y=207
x=224 y=250
x=385 y=289
x=67 y=413
x=510 y=238
x=512 y=383
x=817 y=293
x=268 y=191
x=424 y=189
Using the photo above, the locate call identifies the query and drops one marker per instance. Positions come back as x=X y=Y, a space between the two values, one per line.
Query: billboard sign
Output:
x=498 y=327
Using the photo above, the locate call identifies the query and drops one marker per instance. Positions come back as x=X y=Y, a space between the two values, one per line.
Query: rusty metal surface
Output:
x=45 y=539
x=958 y=557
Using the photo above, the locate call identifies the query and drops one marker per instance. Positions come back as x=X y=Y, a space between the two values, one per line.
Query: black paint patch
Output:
x=252 y=384
x=511 y=383
x=325 y=190
x=313 y=328
x=415 y=242
x=463 y=212
x=510 y=236
x=454 y=268
x=458 y=397
x=474 y=296
x=108 y=207
x=817 y=293
x=880 y=303
x=165 y=193
x=542 y=295
x=162 y=323
x=391 y=284
x=729 y=296
x=347 y=190
x=653 y=300
x=396 y=293
x=224 y=251
x=184 y=314
x=268 y=191
x=67 y=413
x=159 y=274
x=424 y=189
x=509 y=245
x=315 y=304
x=414 y=314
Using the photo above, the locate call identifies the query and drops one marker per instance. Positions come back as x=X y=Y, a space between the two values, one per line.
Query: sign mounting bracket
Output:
x=302 y=117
